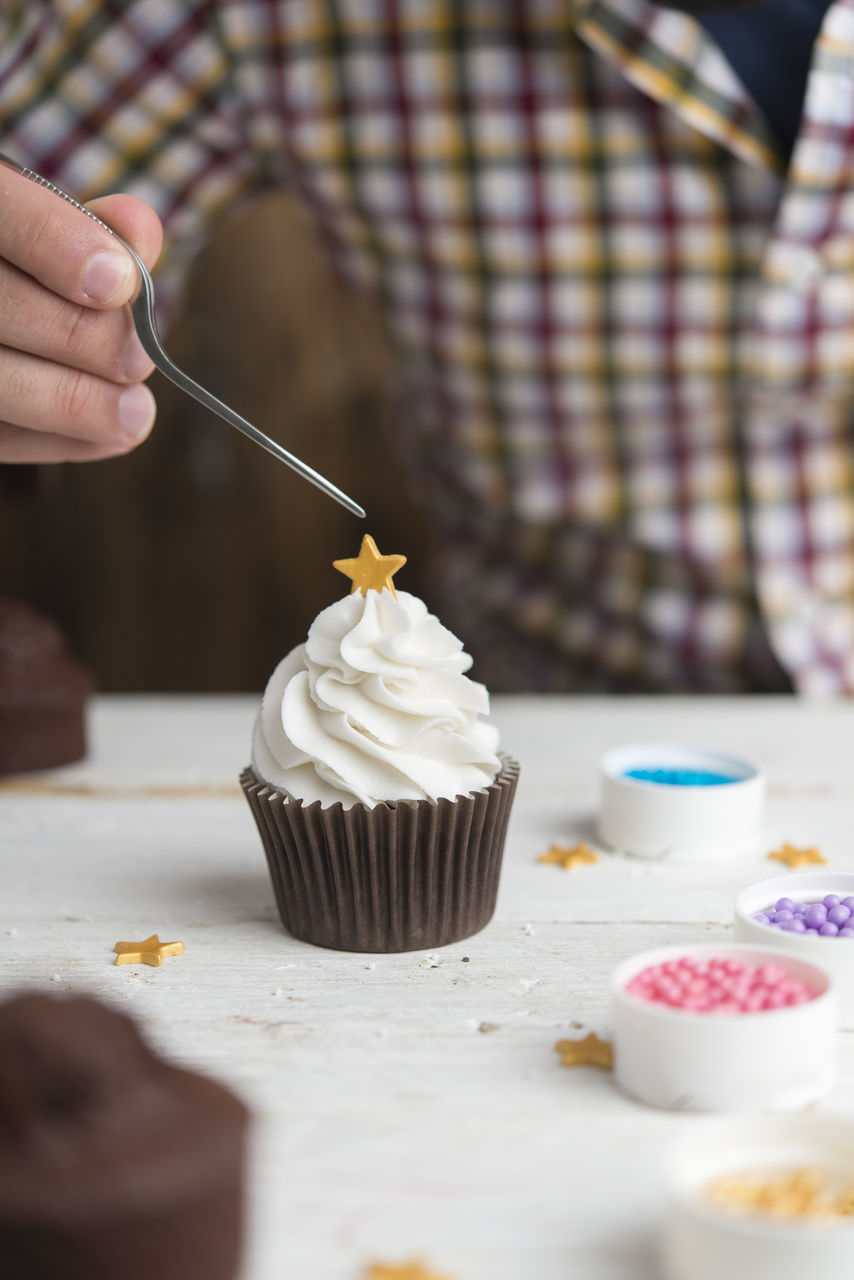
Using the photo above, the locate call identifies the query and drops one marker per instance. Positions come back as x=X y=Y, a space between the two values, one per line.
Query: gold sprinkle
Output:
x=369 y=570
x=589 y=1052
x=569 y=857
x=150 y=951
x=798 y=1193
x=414 y=1270
x=794 y=857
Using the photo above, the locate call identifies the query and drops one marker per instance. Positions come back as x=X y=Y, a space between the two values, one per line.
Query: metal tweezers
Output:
x=142 y=309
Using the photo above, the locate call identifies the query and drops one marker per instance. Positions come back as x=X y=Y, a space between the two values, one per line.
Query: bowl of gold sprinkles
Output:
x=765 y=1196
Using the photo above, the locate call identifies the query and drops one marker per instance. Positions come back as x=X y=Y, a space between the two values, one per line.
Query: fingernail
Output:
x=136 y=410
x=135 y=363
x=107 y=275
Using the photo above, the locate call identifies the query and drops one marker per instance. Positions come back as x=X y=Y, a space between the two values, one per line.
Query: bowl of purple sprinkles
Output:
x=809 y=914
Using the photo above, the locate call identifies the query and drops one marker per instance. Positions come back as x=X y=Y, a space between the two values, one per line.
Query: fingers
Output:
x=46 y=398
x=18 y=444
x=34 y=320
x=68 y=253
x=71 y=365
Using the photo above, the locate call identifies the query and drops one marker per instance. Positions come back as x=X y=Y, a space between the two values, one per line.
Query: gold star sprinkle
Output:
x=563 y=857
x=151 y=951
x=370 y=571
x=796 y=857
x=401 y=1271
x=589 y=1052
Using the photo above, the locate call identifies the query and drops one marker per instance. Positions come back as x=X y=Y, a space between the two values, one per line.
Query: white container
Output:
x=661 y=820
x=685 y=1061
x=703 y=1242
x=833 y=954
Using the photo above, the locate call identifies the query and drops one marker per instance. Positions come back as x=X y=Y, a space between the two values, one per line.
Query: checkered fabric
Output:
x=626 y=328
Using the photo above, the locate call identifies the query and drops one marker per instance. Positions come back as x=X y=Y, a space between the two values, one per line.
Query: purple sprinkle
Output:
x=826 y=919
x=815 y=916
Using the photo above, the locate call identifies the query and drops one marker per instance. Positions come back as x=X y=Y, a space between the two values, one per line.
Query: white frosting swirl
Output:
x=373 y=707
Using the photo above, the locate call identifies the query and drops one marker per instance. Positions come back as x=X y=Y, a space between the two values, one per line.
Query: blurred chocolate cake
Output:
x=114 y=1165
x=43 y=692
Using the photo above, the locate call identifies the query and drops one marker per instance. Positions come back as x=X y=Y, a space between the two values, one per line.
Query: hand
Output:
x=71 y=365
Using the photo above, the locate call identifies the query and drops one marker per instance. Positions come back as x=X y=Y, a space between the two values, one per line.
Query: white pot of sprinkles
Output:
x=804 y=915
x=723 y=1027
x=760 y=1196
x=672 y=800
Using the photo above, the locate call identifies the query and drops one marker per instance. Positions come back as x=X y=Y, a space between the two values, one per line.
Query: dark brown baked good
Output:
x=114 y=1165
x=43 y=692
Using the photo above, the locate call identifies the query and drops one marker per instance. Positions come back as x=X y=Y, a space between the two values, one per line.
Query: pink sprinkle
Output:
x=719 y=985
x=697 y=1004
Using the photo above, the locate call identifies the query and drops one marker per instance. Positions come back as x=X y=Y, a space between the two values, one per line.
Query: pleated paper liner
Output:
x=403 y=876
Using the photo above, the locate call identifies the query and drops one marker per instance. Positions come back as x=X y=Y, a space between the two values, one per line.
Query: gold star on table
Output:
x=568 y=858
x=589 y=1052
x=150 y=951
x=370 y=571
x=401 y=1271
x=796 y=857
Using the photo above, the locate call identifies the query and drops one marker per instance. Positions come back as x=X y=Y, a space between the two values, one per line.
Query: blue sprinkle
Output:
x=680 y=777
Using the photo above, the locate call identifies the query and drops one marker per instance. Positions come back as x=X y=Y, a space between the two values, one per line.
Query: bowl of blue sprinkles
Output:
x=809 y=914
x=674 y=800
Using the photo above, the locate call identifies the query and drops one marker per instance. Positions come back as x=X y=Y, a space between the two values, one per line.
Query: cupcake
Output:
x=113 y=1163
x=43 y=693
x=376 y=783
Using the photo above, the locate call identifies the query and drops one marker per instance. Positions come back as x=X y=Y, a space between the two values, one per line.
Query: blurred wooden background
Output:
x=196 y=562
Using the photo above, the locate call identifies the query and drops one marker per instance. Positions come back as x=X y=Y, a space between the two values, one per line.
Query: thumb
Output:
x=133 y=220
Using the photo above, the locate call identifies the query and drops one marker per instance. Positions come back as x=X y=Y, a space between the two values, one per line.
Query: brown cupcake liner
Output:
x=403 y=876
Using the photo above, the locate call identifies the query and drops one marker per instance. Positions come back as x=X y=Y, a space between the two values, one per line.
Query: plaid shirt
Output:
x=627 y=329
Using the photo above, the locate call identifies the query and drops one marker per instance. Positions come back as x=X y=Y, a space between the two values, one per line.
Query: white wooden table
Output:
x=407 y=1105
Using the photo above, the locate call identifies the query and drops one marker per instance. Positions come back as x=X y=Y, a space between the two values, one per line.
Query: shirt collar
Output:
x=669 y=56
